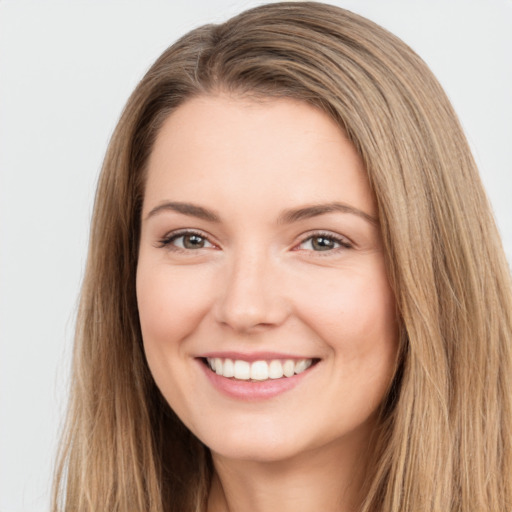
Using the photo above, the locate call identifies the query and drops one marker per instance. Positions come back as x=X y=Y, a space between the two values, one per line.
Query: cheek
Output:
x=355 y=314
x=170 y=303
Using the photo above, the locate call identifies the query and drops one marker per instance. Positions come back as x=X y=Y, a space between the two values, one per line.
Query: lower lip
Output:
x=253 y=390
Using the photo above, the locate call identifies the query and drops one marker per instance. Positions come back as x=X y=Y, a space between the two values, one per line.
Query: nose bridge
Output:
x=251 y=296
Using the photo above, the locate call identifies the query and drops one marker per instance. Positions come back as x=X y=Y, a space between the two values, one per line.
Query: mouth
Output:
x=258 y=371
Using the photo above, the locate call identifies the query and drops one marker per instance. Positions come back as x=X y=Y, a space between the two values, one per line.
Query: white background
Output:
x=66 y=69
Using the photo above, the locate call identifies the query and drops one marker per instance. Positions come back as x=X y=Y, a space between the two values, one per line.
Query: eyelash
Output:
x=343 y=243
x=167 y=241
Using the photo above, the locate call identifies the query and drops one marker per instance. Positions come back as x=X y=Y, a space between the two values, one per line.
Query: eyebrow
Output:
x=186 y=209
x=286 y=217
x=307 y=212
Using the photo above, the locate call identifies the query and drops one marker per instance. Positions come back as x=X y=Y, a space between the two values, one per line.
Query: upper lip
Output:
x=253 y=356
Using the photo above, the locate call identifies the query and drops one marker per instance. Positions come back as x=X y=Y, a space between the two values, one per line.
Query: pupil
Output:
x=193 y=242
x=321 y=243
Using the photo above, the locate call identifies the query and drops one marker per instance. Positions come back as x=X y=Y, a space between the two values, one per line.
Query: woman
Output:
x=295 y=293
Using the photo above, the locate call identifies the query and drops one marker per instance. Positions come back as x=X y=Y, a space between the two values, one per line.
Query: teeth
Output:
x=242 y=370
x=275 y=370
x=289 y=368
x=258 y=370
x=228 y=370
x=302 y=365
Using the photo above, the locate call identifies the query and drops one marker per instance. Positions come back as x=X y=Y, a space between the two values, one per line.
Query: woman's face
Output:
x=261 y=257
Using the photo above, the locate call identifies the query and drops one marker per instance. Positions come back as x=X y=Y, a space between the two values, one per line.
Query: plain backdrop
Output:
x=66 y=69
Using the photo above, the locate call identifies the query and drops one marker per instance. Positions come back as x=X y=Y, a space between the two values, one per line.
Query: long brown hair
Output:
x=445 y=436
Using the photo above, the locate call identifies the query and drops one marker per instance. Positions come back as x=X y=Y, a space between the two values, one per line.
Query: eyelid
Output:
x=344 y=241
x=168 y=238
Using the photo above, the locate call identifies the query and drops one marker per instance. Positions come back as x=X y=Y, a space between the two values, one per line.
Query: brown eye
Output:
x=187 y=241
x=322 y=243
x=193 y=241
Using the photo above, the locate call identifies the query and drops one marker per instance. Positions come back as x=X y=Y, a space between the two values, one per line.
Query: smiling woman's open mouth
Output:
x=259 y=370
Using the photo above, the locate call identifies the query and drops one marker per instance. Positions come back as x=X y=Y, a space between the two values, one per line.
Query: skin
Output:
x=257 y=283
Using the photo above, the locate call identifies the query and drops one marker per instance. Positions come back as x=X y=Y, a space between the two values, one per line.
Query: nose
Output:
x=252 y=297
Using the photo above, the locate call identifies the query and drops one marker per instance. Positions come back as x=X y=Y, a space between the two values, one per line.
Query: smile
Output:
x=261 y=370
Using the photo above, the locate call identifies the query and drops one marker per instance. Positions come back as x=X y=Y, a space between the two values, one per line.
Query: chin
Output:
x=259 y=444
x=260 y=452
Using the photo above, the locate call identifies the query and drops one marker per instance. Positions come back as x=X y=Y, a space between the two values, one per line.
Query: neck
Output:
x=329 y=479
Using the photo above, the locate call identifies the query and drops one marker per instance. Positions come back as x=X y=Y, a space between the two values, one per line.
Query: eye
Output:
x=186 y=240
x=323 y=242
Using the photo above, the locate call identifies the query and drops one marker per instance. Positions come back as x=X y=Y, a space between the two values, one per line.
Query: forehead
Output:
x=231 y=151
